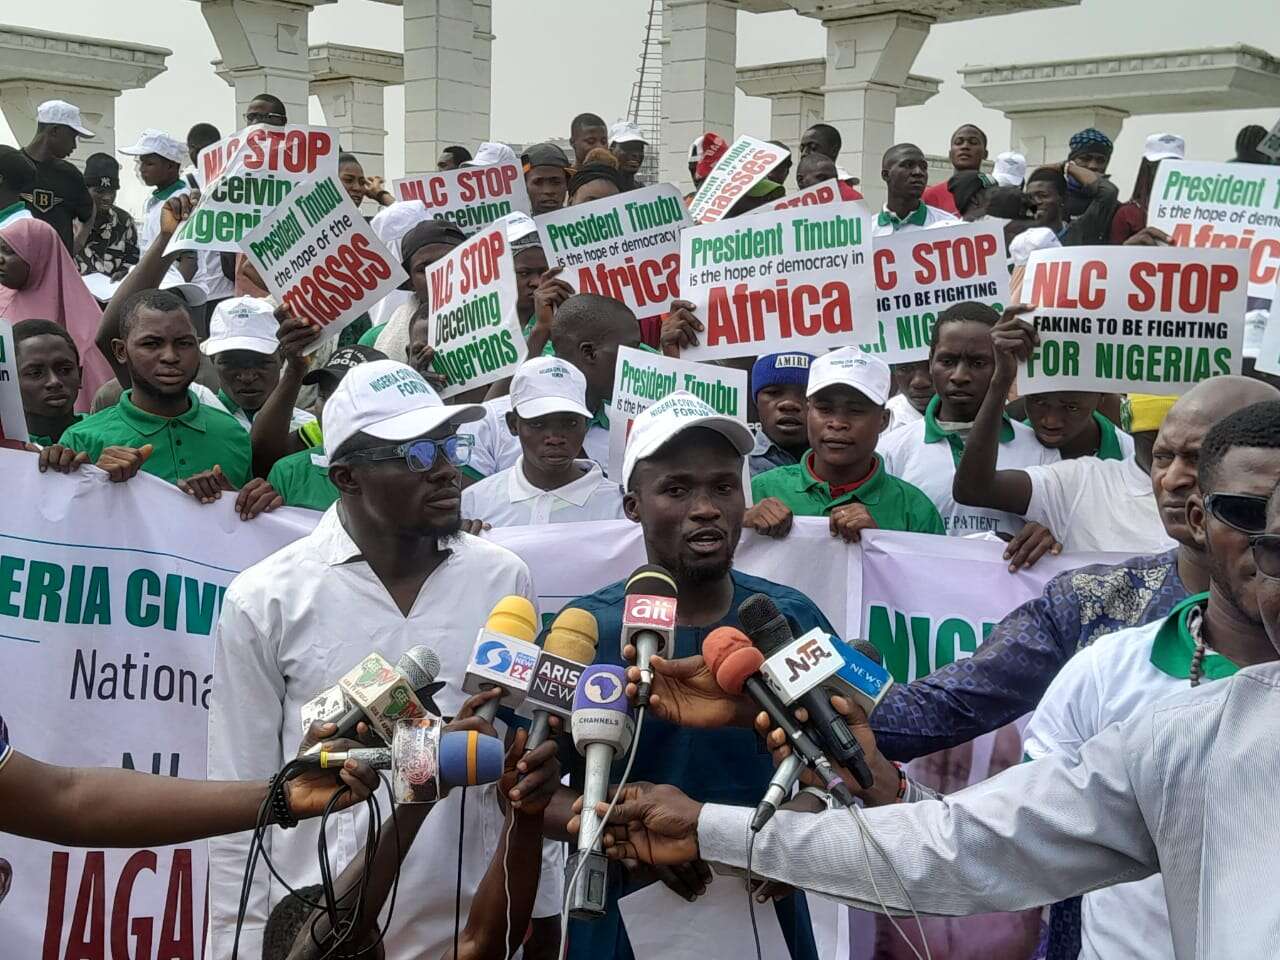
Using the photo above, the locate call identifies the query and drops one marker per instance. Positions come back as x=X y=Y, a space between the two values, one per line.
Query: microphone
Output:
x=736 y=665
x=602 y=729
x=784 y=778
x=811 y=662
x=569 y=647
x=504 y=655
x=380 y=694
x=852 y=671
x=649 y=620
x=464 y=758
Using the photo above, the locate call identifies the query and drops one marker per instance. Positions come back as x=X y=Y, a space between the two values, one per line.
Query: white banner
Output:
x=13 y=421
x=474 y=327
x=784 y=280
x=1133 y=319
x=743 y=165
x=470 y=198
x=1222 y=205
x=625 y=247
x=319 y=257
x=247 y=175
x=919 y=273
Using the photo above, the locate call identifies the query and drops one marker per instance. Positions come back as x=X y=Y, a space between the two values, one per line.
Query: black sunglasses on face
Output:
x=1240 y=511
x=1266 y=554
x=419 y=455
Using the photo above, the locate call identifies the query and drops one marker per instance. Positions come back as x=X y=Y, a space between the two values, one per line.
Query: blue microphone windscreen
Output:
x=468 y=758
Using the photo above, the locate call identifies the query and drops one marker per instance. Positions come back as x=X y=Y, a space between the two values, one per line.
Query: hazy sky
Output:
x=555 y=58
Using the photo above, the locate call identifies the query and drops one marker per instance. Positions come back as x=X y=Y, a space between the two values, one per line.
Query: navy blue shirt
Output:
x=711 y=766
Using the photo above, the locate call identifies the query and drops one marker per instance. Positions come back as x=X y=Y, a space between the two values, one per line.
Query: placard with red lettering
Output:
x=247 y=175
x=785 y=280
x=626 y=247
x=743 y=165
x=1222 y=205
x=1133 y=319
x=919 y=273
x=474 y=327
x=320 y=258
x=470 y=197
x=826 y=192
x=13 y=421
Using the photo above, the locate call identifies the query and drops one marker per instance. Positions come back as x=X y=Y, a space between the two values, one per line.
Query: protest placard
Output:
x=13 y=421
x=320 y=258
x=1140 y=319
x=626 y=247
x=474 y=327
x=743 y=165
x=471 y=198
x=826 y=192
x=785 y=280
x=1222 y=205
x=641 y=379
x=919 y=273
x=246 y=175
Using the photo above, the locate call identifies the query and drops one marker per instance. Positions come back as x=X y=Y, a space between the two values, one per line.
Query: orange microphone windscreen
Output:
x=737 y=667
x=721 y=642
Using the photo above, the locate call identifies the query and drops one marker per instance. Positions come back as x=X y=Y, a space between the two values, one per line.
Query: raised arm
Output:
x=270 y=434
x=977 y=481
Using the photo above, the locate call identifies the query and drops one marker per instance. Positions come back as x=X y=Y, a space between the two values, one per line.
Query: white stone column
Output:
x=439 y=79
x=263 y=44
x=698 y=77
x=482 y=38
x=868 y=60
x=349 y=81
x=36 y=65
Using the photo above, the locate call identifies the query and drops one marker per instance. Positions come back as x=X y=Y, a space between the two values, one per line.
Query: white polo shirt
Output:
x=922 y=454
x=1117 y=676
x=901 y=412
x=495 y=447
x=508 y=499
x=922 y=218
x=1093 y=504
x=290 y=626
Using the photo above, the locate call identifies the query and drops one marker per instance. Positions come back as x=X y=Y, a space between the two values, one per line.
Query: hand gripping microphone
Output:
x=811 y=664
x=465 y=758
x=504 y=655
x=736 y=665
x=379 y=694
x=602 y=729
x=569 y=647
x=649 y=620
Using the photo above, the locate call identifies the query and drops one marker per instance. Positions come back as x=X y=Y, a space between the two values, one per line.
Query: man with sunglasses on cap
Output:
x=385 y=567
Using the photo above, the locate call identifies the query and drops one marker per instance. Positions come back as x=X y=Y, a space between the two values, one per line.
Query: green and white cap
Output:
x=667 y=419
x=388 y=400
x=548 y=385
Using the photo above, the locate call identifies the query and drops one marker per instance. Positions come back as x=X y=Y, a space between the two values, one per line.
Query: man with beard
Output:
x=388 y=556
x=682 y=473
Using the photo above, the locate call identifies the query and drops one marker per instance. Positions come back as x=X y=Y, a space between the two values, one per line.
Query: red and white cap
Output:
x=67 y=114
x=667 y=419
x=850 y=367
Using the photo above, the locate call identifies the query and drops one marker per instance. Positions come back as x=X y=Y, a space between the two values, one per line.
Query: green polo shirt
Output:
x=49 y=441
x=935 y=434
x=302 y=482
x=916 y=218
x=1108 y=442
x=184 y=445
x=893 y=504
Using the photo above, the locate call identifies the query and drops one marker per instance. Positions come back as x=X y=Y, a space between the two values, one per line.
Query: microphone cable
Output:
x=573 y=881
x=457 y=888
x=751 y=900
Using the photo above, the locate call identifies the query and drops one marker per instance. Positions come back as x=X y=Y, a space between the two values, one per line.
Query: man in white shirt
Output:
x=385 y=568
x=160 y=159
x=906 y=174
x=245 y=353
x=549 y=483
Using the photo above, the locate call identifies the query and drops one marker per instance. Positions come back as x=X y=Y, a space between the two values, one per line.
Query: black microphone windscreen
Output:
x=869 y=651
x=652 y=580
x=764 y=623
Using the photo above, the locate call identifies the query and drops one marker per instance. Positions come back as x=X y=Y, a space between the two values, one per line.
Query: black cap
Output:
x=343 y=360
x=102 y=170
x=424 y=234
x=544 y=155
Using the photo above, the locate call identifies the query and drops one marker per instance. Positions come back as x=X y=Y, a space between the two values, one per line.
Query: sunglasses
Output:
x=252 y=118
x=419 y=455
x=1266 y=554
x=1240 y=511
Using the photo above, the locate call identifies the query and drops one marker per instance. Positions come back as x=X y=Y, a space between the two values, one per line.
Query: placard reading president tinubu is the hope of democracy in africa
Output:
x=1133 y=319
x=796 y=279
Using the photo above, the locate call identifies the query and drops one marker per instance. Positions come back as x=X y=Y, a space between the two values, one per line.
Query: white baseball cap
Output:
x=388 y=400
x=850 y=367
x=624 y=131
x=666 y=419
x=159 y=143
x=193 y=293
x=67 y=114
x=1164 y=146
x=242 y=323
x=488 y=154
x=1010 y=169
x=548 y=385
x=1029 y=241
x=393 y=222
x=520 y=227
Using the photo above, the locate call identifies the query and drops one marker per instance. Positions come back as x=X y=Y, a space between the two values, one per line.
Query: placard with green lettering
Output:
x=470 y=198
x=1133 y=319
x=795 y=279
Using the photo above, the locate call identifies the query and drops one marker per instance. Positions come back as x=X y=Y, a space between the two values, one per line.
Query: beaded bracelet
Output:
x=281 y=815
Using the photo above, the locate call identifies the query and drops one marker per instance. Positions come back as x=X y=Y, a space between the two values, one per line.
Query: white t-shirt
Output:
x=932 y=467
x=901 y=412
x=508 y=499
x=495 y=448
x=1093 y=504
x=1106 y=683
x=150 y=228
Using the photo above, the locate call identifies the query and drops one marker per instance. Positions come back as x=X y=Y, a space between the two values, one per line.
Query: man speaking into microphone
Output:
x=682 y=473
x=385 y=569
